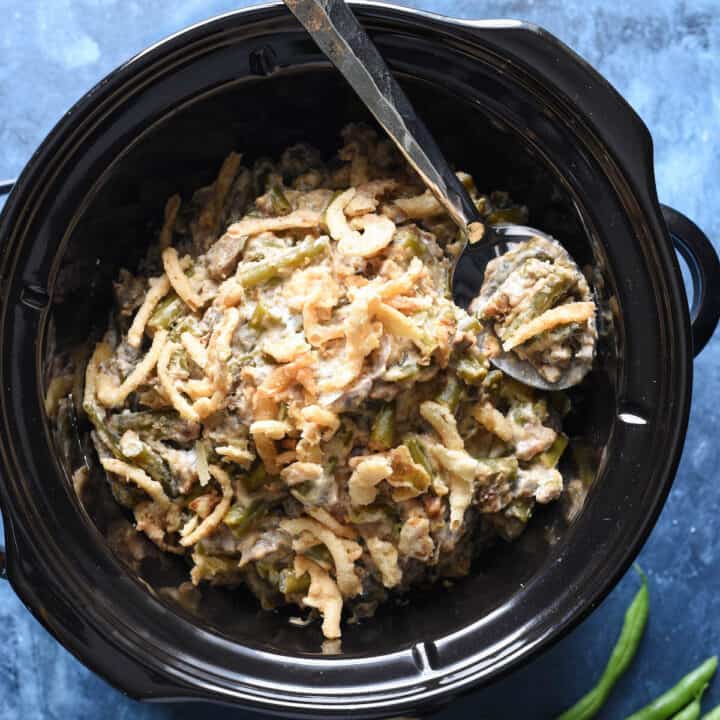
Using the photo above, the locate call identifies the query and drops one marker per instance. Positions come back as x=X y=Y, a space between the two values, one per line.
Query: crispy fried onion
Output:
x=213 y=520
x=219 y=353
x=462 y=470
x=159 y=288
x=444 y=424
x=138 y=476
x=493 y=420
x=112 y=395
x=184 y=408
x=195 y=349
x=377 y=230
x=578 y=312
x=323 y=516
x=420 y=207
x=385 y=557
x=323 y=595
x=179 y=280
x=264 y=434
x=344 y=552
x=415 y=540
x=293 y=221
x=172 y=206
x=408 y=478
x=366 y=198
x=362 y=336
x=369 y=471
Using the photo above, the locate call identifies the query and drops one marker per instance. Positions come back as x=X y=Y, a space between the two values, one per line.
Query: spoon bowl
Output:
x=467 y=277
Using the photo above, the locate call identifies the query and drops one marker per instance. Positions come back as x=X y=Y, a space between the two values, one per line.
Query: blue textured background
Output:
x=664 y=56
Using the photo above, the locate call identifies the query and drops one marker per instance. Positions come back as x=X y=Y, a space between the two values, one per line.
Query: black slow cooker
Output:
x=508 y=103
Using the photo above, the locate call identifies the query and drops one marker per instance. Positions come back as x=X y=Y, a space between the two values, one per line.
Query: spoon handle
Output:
x=338 y=34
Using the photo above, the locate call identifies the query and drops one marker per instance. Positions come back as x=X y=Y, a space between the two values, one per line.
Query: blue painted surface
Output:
x=664 y=56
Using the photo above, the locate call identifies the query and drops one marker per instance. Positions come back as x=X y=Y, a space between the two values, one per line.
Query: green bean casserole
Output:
x=288 y=397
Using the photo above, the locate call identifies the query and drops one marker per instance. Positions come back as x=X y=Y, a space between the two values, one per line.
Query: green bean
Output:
x=691 y=711
x=517 y=215
x=409 y=238
x=187 y=323
x=712 y=715
x=501 y=466
x=382 y=432
x=292 y=584
x=165 y=424
x=256 y=478
x=471 y=370
x=620 y=658
x=243 y=519
x=555 y=287
x=402 y=372
x=678 y=696
x=319 y=554
x=451 y=393
x=551 y=457
x=168 y=310
x=262 y=318
x=279 y=203
x=418 y=453
x=265 y=270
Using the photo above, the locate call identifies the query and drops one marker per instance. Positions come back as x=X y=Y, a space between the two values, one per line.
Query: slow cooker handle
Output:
x=700 y=255
x=6 y=186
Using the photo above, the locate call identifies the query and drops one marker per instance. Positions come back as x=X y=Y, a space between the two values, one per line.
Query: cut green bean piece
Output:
x=292 y=584
x=471 y=370
x=680 y=695
x=279 y=203
x=262 y=318
x=551 y=457
x=451 y=393
x=418 y=453
x=265 y=270
x=319 y=554
x=382 y=432
x=555 y=287
x=620 y=659
x=168 y=310
x=256 y=478
x=517 y=215
x=243 y=519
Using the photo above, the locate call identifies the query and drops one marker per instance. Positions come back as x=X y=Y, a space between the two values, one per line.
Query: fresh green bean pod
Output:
x=714 y=714
x=680 y=695
x=620 y=658
x=691 y=711
x=265 y=270
x=382 y=432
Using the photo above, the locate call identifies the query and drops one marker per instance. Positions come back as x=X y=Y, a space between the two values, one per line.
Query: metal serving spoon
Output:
x=341 y=38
